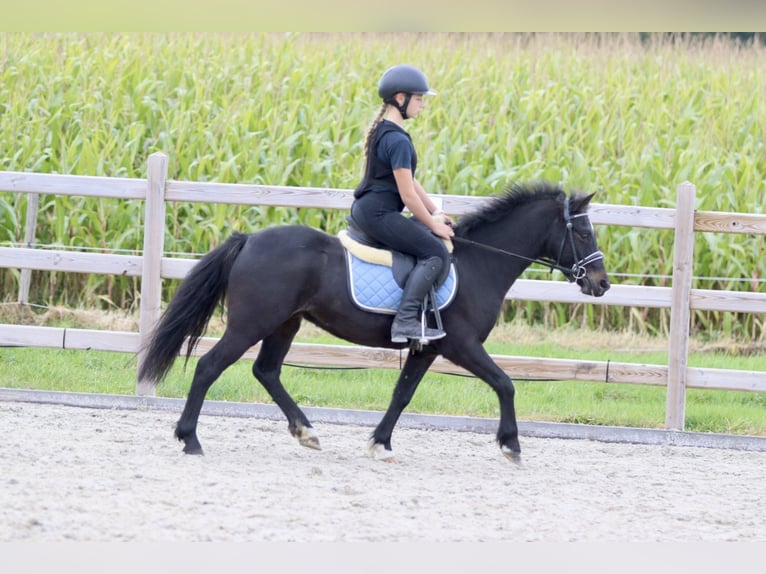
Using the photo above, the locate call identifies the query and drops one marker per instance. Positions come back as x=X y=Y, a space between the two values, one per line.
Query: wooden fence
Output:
x=153 y=266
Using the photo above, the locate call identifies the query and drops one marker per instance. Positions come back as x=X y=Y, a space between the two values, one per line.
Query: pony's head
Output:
x=573 y=241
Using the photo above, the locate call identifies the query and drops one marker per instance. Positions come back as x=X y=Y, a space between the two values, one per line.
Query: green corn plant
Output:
x=628 y=119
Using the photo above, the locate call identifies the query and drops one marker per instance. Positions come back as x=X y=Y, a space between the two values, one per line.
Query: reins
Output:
x=486 y=247
x=577 y=271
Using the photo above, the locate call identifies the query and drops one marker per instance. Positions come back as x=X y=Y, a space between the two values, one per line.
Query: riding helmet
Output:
x=402 y=78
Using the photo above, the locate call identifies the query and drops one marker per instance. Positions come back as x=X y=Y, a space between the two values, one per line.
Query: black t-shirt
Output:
x=391 y=148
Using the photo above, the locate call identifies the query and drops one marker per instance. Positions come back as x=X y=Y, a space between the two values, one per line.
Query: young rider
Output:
x=389 y=185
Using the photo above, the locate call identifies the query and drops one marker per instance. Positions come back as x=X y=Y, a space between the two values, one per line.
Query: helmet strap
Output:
x=403 y=107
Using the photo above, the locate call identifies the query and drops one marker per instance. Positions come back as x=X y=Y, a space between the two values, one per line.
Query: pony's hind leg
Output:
x=267 y=369
x=209 y=368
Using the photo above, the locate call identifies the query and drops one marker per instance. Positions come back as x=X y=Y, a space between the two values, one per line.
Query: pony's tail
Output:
x=190 y=310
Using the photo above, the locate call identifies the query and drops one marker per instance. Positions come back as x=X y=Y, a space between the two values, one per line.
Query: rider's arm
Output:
x=418 y=202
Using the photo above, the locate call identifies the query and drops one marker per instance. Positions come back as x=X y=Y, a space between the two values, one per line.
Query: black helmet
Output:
x=402 y=78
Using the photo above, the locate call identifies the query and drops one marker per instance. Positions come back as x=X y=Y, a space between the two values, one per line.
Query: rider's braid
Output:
x=374 y=124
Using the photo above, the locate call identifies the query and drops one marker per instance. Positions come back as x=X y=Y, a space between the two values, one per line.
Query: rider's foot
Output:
x=402 y=332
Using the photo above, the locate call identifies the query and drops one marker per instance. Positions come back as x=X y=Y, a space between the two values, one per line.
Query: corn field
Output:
x=630 y=118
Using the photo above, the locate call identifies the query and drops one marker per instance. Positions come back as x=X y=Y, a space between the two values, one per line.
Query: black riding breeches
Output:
x=379 y=215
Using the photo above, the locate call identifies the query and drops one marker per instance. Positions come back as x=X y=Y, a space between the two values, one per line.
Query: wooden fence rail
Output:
x=152 y=267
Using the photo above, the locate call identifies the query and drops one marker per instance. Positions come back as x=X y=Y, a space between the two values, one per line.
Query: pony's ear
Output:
x=579 y=203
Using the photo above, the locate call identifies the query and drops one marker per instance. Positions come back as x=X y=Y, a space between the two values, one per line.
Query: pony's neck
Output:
x=521 y=231
x=512 y=243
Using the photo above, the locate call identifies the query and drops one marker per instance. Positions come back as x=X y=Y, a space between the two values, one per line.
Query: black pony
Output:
x=273 y=279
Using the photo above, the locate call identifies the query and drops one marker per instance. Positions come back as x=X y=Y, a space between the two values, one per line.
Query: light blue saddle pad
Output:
x=373 y=287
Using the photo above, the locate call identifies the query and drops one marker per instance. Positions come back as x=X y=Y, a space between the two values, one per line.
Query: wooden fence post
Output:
x=680 y=309
x=154 y=245
x=30 y=232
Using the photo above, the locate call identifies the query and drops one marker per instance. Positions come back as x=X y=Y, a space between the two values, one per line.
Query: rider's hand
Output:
x=442 y=217
x=442 y=230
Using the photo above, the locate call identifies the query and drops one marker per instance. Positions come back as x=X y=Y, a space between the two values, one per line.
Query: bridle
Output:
x=573 y=273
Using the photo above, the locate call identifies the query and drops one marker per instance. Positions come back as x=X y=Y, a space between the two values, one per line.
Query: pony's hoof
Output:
x=513 y=455
x=307 y=437
x=194 y=450
x=379 y=452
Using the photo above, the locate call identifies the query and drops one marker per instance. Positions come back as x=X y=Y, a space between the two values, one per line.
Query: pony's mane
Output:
x=515 y=195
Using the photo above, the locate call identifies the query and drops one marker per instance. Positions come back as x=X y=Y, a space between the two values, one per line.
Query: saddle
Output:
x=377 y=275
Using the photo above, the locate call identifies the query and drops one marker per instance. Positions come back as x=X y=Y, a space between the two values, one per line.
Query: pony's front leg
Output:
x=415 y=367
x=475 y=359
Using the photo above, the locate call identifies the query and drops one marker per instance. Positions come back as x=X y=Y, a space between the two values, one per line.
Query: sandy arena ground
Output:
x=69 y=473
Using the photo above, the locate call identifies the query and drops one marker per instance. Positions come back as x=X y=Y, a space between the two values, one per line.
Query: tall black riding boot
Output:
x=407 y=324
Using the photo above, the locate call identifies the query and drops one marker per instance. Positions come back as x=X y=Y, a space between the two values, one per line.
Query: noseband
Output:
x=573 y=273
